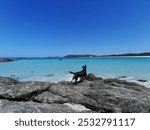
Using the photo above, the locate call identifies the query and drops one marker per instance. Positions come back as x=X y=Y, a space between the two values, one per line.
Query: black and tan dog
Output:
x=81 y=74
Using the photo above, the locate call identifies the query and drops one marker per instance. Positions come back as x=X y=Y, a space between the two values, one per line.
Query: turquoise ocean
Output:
x=55 y=70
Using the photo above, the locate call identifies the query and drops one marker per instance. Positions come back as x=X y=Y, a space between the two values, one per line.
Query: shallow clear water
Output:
x=55 y=70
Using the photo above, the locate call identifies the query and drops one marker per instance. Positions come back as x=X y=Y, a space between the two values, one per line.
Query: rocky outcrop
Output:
x=33 y=107
x=22 y=91
x=7 y=81
x=96 y=95
x=92 y=77
x=48 y=97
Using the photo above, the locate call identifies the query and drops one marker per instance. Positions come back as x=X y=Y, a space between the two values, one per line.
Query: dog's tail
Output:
x=71 y=72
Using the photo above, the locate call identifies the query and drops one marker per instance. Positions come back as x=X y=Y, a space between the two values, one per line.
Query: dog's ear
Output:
x=84 y=66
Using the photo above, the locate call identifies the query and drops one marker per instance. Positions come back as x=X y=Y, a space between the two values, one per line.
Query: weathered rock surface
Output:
x=33 y=107
x=7 y=81
x=48 y=97
x=98 y=95
x=13 y=90
x=92 y=77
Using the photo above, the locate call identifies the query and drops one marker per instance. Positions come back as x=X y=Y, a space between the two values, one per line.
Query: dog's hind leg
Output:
x=76 y=79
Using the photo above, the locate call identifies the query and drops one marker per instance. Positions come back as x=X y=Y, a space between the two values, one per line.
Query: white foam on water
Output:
x=129 y=79
x=56 y=78
x=77 y=107
x=132 y=79
x=107 y=76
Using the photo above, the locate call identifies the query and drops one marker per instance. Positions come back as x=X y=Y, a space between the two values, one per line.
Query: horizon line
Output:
x=73 y=55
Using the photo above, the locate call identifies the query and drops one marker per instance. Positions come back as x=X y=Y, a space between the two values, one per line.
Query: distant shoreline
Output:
x=62 y=58
x=111 y=57
x=145 y=54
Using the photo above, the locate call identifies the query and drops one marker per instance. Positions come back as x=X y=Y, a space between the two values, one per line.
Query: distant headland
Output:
x=6 y=60
x=113 y=55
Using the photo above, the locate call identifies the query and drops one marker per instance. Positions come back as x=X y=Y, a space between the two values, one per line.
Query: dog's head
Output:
x=84 y=67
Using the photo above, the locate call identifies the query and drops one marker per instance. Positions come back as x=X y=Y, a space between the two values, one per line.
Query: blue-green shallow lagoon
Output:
x=54 y=70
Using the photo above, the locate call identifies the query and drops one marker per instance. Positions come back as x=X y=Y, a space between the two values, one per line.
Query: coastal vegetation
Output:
x=6 y=60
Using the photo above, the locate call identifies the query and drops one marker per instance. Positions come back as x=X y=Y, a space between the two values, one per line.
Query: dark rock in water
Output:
x=142 y=80
x=103 y=96
x=50 y=75
x=6 y=60
x=92 y=77
x=60 y=59
x=12 y=75
x=121 y=77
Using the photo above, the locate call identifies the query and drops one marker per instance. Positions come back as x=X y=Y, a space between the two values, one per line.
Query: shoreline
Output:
x=95 y=94
x=53 y=79
x=29 y=70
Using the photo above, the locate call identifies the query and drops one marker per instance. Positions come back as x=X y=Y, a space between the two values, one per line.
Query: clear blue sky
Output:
x=61 y=27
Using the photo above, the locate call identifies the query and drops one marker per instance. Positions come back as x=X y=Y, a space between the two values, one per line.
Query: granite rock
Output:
x=101 y=95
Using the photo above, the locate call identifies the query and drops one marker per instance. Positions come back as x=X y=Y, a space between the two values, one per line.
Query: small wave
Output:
x=132 y=79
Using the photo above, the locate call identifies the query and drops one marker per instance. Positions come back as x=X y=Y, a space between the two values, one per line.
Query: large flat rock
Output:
x=48 y=97
x=32 y=107
x=99 y=95
x=22 y=91
x=7 y=81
